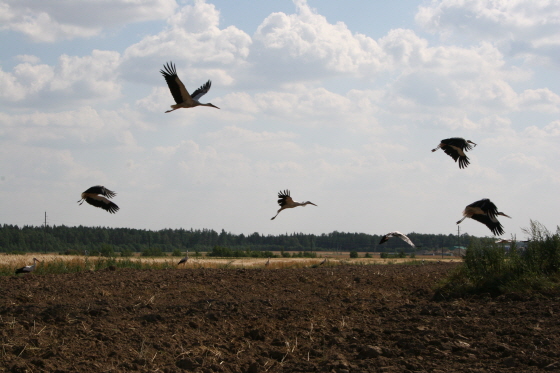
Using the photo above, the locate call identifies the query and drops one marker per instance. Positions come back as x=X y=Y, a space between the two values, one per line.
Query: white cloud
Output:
x=542 y=99
x=51 y=20
x=195 y=43
x=526 y=28
x=84 y=127
x=83 y=79
x=318 y=46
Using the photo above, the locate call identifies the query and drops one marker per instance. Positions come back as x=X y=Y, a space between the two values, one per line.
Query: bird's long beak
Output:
x=214 y=106
x=312 y=203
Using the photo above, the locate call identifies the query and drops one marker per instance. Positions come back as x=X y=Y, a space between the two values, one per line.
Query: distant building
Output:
x=459 y=250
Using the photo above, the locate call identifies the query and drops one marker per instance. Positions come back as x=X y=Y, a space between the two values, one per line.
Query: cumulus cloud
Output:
x=80 y=128
x=84 y=79
x=194 y=41
x=51 y=20
x=527 y=28
x=318 y=46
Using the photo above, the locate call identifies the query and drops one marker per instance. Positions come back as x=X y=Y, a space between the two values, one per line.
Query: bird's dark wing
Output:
x=103 y=203
x=385 y=238
x=464 y=161
x=201 y=91
x=458 y=142
x=284 y=197
x=98 y=189
x=177 y=88
x=493 y=224
x=487 y=206
x=108 y=193
x=453 y=153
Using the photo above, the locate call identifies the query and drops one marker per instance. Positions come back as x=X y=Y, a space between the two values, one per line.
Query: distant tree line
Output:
x=93 y=239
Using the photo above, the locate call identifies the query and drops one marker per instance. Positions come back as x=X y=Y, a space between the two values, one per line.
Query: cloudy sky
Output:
x=341 y=105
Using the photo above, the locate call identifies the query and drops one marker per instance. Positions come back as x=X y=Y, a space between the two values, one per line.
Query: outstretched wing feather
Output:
x=103 y=203
x=202 y=90
x=176 y=86
x=493 y=224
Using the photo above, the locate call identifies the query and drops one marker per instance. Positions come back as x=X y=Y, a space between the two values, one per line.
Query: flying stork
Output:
x=286 y=202
x=456 y=147
x=185 y=259
x=396 y=234
x=94 y=196
x=485 y=212
x=180 y=93
x=28 y=269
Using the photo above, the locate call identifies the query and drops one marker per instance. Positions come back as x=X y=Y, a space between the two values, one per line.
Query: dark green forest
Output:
x=62 y=238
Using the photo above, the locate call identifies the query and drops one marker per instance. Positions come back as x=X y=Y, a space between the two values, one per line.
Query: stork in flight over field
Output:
x=185 y=259
x=180 y=93
x=396 y=234
x=28 y=269
x=456 y=147
x=286 y=202
x=485 y=212
x=95 y=196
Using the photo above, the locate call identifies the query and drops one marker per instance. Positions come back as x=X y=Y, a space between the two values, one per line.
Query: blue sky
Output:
x=341 y=105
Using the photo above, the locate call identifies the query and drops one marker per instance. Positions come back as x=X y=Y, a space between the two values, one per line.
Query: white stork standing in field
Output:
x=95 y=196
x=485 y=212
x=185 y=259
x=396 y=234
x=456 y=147
x=28 y=269
x=286 y=202
x=180 y=93
x=267 y=263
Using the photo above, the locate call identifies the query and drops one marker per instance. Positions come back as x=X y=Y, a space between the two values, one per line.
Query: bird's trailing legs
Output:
x=276 y=214
x=460 y=221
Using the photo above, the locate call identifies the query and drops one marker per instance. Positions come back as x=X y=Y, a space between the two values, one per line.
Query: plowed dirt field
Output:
x=353 y=318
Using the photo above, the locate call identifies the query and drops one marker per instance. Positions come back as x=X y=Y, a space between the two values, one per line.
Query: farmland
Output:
x=335 y=317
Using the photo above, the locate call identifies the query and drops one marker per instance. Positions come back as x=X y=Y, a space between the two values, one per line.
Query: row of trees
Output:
x=62 y=238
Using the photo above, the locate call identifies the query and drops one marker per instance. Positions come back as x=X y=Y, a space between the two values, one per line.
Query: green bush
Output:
x=152 y=251
x=489 y=268
x=353 y=254
x=107 y=251
x=71 y=252
x=127 y=253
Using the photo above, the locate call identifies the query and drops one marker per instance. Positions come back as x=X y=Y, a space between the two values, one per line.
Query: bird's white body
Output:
x=29 y=268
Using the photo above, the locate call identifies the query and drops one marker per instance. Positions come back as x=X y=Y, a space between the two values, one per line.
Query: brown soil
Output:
x=374 y=318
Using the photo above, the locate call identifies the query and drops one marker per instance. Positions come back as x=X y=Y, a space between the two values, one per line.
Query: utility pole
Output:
x=45 y=234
